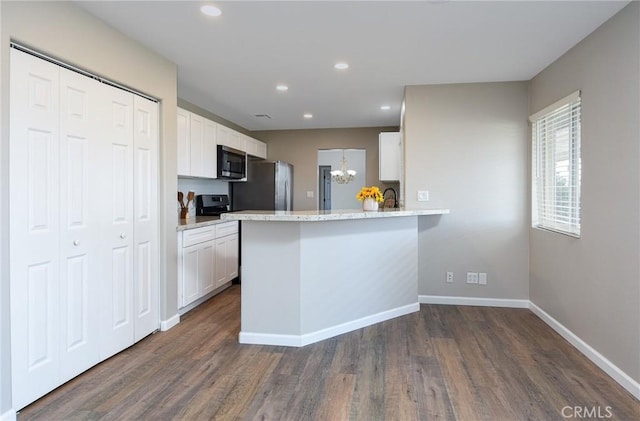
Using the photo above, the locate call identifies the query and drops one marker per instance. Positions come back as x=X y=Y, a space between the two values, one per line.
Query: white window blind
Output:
x=556 y=169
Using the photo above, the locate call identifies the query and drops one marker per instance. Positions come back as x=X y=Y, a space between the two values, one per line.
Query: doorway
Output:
x=324 y=187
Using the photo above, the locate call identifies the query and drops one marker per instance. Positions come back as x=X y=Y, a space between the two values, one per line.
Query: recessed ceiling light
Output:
x=341 y=66
x=385 y=107
x=210 y=10
x=282 y=87
x=308 y=115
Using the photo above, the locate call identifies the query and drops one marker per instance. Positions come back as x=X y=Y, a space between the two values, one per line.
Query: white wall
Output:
x=199 y=186
x=592 y=285
x=64 y=31
x=343 y=196
x=467 y=145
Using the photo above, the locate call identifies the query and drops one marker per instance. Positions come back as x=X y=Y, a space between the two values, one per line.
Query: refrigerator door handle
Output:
x=286 y=195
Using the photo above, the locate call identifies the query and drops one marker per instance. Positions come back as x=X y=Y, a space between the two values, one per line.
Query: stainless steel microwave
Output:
x=232 y=163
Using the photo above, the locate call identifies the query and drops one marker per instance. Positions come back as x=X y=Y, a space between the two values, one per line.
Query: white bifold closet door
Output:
x=83 y=223
x=130 y=293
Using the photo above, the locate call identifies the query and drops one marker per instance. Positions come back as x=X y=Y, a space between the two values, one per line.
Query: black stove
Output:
x=211 y=204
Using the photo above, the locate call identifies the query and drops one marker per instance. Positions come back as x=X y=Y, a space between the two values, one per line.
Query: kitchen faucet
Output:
x=395 y=196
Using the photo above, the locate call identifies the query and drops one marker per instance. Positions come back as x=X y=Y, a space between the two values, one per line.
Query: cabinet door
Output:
x=237 y=140
x=190 y=288
x=262 y=150
x=184 y=149
x=206 y=263
x=255 y=147
x=390 y=156
x=145 y=214
x=197 y=271
x=223 y=135
x=81 y=157
x=251 y=146
x=221 y=261
x=34 y=227
x=232 y=257
x=117 y=326
x=209 y=151
x=196 y=144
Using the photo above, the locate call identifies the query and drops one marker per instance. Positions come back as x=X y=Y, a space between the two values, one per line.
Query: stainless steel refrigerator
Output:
x=269 y=186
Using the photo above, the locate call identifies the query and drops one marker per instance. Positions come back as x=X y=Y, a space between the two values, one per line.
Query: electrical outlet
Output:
x=423 y=195
x=310 y=194
x=449 y=277
x=472 y=277
x=482 y=278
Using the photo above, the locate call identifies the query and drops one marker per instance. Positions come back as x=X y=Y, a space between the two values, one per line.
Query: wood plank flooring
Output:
x=442 y=363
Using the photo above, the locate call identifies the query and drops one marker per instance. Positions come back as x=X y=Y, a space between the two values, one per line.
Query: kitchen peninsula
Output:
x=312 y=275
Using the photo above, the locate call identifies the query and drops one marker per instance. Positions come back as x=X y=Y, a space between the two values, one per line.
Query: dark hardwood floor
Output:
x=442 y=363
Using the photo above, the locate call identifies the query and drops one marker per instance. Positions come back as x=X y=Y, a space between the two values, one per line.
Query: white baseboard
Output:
x=309 y=338
x=598 y=359
x=472 y=301
x=9 y=415
x=171 y=322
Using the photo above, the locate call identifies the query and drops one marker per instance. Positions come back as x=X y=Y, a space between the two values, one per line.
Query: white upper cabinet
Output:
x=231 y=138
x=224 y=135
x=256 y=148
x=390 y=156
x=209 y=152
x=197 y=139
x=184 y=146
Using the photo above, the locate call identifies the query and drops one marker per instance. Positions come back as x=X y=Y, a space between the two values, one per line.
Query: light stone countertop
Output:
x=198 y=221
x=322 y=215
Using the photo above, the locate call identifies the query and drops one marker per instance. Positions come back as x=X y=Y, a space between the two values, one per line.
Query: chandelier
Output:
x=343 y=175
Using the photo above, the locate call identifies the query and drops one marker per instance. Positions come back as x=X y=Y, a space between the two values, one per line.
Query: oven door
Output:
x=232 y=163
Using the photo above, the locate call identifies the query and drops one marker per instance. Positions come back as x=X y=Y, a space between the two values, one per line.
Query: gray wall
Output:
x=592 y=285
x=300 y=148
x=467 y=145
x=66 y=32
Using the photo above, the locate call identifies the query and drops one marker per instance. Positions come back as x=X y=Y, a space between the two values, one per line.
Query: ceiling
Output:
x=231 y=64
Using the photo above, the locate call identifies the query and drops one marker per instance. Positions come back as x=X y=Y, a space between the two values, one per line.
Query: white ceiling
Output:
x=230 y=65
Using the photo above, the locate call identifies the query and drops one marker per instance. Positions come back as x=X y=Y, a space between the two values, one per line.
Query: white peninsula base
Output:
x=306 y=279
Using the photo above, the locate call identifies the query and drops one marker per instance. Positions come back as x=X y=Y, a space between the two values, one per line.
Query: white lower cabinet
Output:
x=207 y=259
x=226 y=259
x=197 y=247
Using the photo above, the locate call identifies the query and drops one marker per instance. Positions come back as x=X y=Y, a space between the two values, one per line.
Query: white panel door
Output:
x=117 y=322
x=209 y=149
x=145 y=211
x=184 y=147
x=80 y=208
x=196 y=140
x=34 y=227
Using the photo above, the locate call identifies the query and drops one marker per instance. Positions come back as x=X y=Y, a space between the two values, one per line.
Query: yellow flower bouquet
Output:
x=372 y=192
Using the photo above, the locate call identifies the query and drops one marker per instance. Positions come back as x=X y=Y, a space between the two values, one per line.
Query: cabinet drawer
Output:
x=198 y=235
x=227 y=228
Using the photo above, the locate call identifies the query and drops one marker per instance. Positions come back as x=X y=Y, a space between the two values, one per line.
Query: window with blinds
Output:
x=556 y=166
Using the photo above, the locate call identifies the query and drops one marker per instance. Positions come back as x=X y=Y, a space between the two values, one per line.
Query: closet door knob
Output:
x=123 y=235
x=76 y=242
